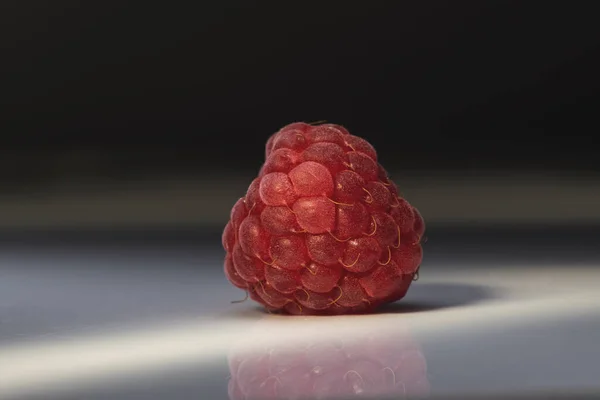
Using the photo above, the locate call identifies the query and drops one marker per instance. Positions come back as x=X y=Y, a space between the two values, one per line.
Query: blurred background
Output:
x=126 y=116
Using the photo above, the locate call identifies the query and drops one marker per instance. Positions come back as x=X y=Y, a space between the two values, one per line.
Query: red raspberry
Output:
x=322 y=229
x=350 y=366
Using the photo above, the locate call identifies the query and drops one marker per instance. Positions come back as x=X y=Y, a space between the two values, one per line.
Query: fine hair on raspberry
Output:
x=322 y=230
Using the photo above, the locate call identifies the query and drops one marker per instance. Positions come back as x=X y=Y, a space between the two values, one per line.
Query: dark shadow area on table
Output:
x=437 y=296
x=422 y=297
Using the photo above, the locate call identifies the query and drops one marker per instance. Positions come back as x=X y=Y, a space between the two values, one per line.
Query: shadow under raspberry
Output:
x=423 y=297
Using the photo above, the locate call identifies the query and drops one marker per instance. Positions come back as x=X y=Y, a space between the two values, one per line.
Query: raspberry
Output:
x=322 y=229
x=364 y=365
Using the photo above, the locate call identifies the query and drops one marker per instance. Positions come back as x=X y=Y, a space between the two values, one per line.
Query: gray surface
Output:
x=453 y=197
x=493 y=313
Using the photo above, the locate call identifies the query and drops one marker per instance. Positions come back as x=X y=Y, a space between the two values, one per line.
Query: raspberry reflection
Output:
x=364 y=365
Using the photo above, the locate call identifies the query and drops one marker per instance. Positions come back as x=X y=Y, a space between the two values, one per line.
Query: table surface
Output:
x=495 y=312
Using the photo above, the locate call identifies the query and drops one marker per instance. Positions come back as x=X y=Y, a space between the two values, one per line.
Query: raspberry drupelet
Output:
x=322 y=230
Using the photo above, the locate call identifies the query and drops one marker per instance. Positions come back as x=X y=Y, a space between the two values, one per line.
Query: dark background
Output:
x=95 y=93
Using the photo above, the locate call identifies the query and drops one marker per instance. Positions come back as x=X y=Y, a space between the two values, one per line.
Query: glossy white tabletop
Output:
x=149 y=324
